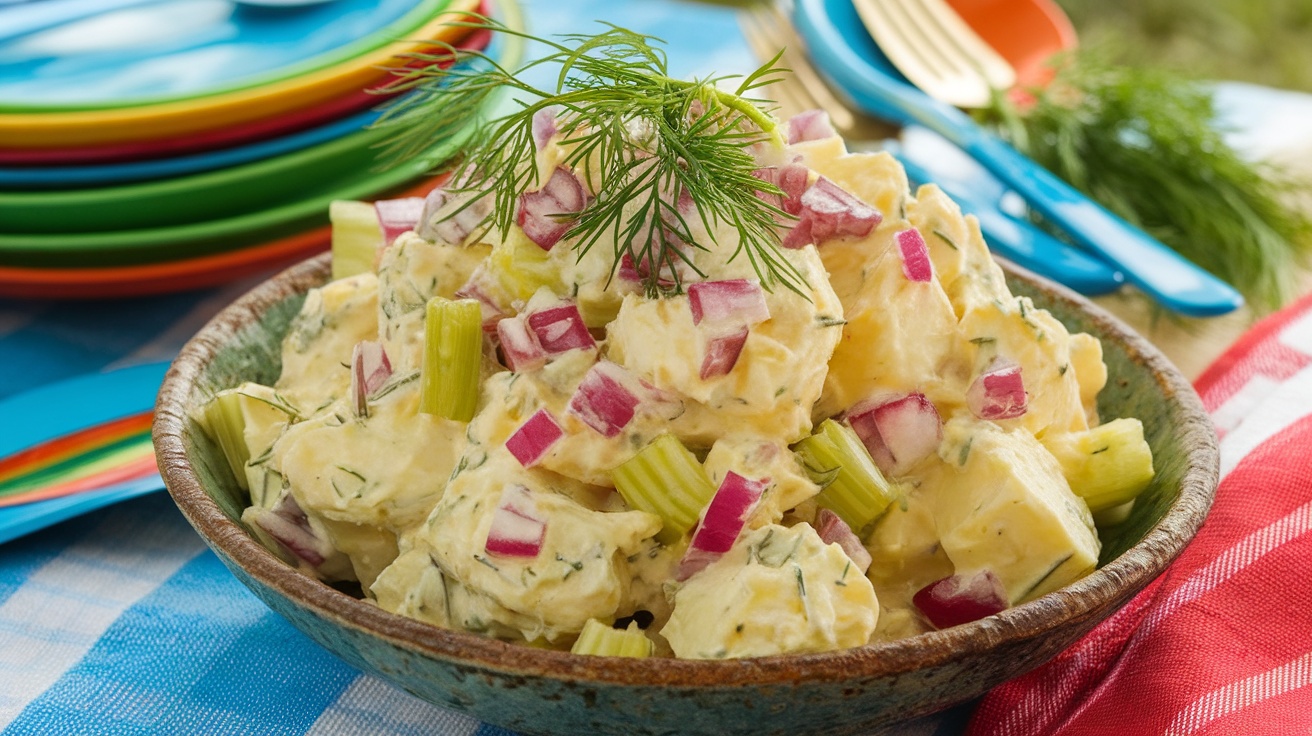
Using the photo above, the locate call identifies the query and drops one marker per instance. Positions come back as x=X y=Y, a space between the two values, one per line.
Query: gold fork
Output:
x=934 y=48
x=768 y=31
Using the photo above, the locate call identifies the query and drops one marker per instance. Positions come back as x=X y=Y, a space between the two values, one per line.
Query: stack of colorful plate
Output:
x=172 y=144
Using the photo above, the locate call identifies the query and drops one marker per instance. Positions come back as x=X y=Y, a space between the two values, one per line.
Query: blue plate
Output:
x=129 y=171
x=178 y=49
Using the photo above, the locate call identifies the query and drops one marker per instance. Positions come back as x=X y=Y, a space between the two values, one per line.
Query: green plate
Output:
x=196 y=235
x=199 y=197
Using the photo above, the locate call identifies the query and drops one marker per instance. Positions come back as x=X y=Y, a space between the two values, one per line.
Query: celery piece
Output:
x=1107 y=465
x=453 y=355
x=238 y=418
x=601 y=640
x=858 y=492
x=665 y=479
x=356 y=237
x=224 y=421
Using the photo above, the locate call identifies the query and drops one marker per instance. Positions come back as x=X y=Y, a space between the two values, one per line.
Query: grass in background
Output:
x=1262 y=41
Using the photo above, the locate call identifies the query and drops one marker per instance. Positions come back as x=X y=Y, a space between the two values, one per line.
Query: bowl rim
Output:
x=1120 y=578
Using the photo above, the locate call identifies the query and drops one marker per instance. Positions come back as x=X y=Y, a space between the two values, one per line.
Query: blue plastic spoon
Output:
x=845 y=53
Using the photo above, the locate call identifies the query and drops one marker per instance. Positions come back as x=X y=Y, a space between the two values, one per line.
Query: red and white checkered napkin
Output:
x=1221 y=643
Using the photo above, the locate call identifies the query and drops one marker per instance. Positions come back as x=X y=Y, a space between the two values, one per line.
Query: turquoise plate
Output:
x=180 y=49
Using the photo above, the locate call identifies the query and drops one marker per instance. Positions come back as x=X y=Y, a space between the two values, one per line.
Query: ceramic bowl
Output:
x=549 y=692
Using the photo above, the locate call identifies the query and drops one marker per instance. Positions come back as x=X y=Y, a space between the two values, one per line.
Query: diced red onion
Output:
x=828 y=211
x=628 y=270
x=898 y=433
x=916 y=265
x=634 y=272
x=998 y=392
x=685 y=204
x=833 y=530
x=792 y=178
x=540 y=212
x=519 y=346
x=289 y=526
x=734 y=301
x=601 y=400
x=476 y=289
x=396 y=216
x=517 y=528
x=434 y=224
x=812 y=125
x=544 y=126
x=561 y=328
x=958 y=600
x=534 y=438
x=527 y=341
x=370 y=369
x=721 y=522
x=722 y=353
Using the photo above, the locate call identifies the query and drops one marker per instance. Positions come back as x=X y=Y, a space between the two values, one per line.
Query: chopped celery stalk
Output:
x=858 y=492
x=522 y=267
x=664 y=478
x=453 y=355
x=356 y=237
x=601 y=640
x=226 y=423
x=1107 y=465
x=241 y=418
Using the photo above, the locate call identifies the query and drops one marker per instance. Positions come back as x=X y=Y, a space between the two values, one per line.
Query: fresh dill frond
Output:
x=642 y=139
x=1144 y=142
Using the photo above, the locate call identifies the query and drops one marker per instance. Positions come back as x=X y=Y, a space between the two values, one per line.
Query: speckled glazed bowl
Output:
x=550 y=692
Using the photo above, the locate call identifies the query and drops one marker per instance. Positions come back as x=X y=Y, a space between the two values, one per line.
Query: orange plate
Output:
x=1025 y=32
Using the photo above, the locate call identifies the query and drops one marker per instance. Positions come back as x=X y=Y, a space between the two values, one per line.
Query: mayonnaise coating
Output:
x=474 y=526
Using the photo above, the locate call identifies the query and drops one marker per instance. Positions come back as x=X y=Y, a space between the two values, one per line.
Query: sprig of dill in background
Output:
x=1143 y=142
x=641 y=137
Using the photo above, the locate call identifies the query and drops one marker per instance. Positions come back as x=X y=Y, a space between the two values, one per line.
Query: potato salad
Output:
x=509 y=431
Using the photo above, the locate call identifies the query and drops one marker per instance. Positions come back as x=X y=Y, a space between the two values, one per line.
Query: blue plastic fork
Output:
x=1011 y=237
x=849 y=57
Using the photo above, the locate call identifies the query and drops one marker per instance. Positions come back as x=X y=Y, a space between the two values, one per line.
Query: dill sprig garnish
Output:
x=641 y=138
x=1145 y=143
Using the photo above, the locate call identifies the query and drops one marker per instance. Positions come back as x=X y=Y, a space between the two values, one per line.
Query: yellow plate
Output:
x=92 y=127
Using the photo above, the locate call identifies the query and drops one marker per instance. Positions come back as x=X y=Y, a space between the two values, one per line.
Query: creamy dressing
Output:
x=405 y=501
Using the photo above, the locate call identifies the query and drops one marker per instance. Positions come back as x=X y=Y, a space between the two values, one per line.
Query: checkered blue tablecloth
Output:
x=122 y=622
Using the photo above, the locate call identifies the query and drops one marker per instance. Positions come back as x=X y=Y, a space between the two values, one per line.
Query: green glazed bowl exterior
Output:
x=549 y=692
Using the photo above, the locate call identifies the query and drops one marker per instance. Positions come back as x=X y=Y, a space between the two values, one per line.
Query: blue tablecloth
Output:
x=122 y=621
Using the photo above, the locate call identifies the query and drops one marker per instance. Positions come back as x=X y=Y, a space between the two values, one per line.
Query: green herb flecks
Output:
x=346 y=482
x=943 y=236
x=1145 y=144
x=964 y=453
x=642 y=139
